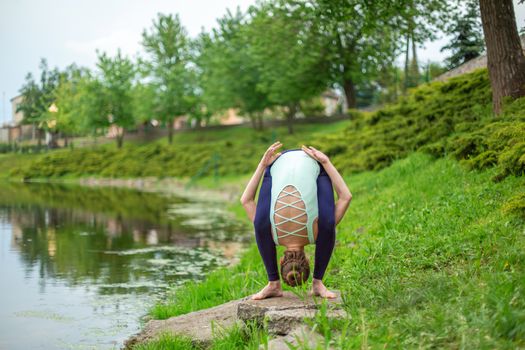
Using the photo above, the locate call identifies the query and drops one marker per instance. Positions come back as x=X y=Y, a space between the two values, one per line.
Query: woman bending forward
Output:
x=296 y=207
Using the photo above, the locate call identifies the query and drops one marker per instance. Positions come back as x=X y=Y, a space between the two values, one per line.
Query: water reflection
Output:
x=96 y=258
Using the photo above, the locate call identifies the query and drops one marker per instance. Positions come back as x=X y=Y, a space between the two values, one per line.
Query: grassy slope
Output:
x=238 y=149
x=425 y=257
x=442 y=118
x=11 y=161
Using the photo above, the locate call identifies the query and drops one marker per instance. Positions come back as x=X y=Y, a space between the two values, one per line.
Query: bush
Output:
x=439 y=118
x=15 y=147
x=201 y=154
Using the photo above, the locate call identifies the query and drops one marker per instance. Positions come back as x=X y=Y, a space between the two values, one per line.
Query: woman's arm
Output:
x=344 y=197
x=248 y=196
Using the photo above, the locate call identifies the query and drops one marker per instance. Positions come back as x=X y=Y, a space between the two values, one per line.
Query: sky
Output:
x=65 y=31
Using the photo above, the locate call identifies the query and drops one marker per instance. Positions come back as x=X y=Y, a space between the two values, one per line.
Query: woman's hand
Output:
x=316 y=154
x=269 y=156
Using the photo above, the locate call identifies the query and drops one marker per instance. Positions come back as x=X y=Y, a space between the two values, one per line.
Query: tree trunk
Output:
x=66 y=143
x=396 y=84
x=505 y=59
x=350 y=93
x=290 y=116
x=259 y=117
x=414 y=67
x=120 y=139
x=407 y=58
x=253 y=120
x=39 y=138
x=51 y=139
x=170 y=131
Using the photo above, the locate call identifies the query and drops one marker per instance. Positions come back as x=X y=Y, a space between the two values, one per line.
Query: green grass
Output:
x=426 y=257
x=166 y=342
x=236 y=337
x=9 y=161
x=238 y=151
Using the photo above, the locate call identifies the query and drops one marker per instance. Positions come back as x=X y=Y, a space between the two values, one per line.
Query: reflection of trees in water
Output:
x=112 y=201
x=65 y=233
x=125 y=204
x=74 y=247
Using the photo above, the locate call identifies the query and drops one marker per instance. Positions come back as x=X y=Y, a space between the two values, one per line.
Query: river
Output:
x=80 y=267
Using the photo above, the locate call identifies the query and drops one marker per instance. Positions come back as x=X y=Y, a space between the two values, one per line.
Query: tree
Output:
x=467 y=41
x=168 y=46
x=291 y=58
x=117 y=77
x=37 y=97
x=66 y=99
x=30 y=104
x=505 y=59
x=90 y=107
x=433 y=70
x=228 y=74
x=360 y=40
x=418 y=21
x=144 y=102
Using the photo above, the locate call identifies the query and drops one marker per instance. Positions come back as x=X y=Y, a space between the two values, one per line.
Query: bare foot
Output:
x=272 y=289
x=318 y=289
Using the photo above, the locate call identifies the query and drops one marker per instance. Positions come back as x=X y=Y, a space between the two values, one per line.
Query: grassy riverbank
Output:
x=427 y=256
x=228 y=152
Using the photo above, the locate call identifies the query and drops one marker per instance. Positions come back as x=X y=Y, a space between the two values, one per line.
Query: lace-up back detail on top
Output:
x=294 y=196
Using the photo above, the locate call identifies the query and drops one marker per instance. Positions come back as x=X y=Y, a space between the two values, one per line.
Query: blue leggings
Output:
x=324 y=244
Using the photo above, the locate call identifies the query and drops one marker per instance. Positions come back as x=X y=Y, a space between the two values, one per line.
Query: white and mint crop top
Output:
x=298 y=169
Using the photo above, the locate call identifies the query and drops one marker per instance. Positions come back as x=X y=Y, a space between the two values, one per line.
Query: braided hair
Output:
x=295 y=267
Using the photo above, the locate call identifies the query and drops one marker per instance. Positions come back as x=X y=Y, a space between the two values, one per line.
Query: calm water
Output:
x=79 y=266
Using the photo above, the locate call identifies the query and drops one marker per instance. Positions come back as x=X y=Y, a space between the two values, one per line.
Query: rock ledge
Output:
x=284 y=316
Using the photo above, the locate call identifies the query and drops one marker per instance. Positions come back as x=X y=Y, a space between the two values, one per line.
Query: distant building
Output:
x=4 y=134
x=180 y=122
x=230 y=117
x=14 y=131
x=331 y=102
x=17 y=116
x=469 y=66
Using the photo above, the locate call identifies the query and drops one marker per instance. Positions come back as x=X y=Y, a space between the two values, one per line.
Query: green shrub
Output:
x=193 y=153
x=439 y=118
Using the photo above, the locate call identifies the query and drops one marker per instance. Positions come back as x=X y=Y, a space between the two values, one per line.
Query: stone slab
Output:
x=287 y=312
x=285 y=317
